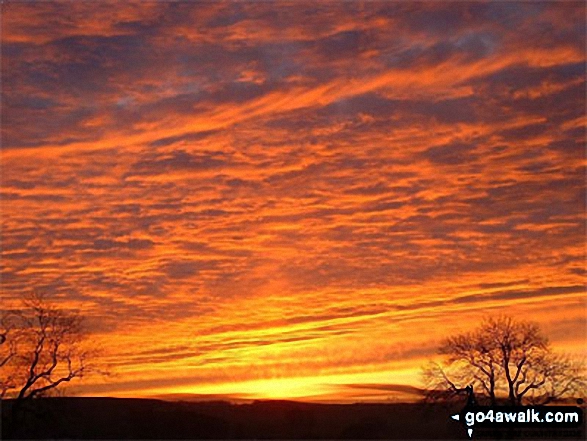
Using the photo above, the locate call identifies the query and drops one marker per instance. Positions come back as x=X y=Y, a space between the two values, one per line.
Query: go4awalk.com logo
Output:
x=518 y=417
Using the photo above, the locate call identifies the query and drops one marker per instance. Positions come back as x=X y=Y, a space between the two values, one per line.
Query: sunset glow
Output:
x=293 y=199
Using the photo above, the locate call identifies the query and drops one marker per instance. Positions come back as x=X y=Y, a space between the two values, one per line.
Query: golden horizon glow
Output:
x=292 y=200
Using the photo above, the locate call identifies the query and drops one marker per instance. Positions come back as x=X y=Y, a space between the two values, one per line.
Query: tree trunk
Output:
x=511 y=392
x=492 y=390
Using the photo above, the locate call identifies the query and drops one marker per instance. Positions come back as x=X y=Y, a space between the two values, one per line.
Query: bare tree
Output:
x=521 y=349
x=443 y=383
x=8 y=342
x=41 y=348
x=504 y=357
x=550 y=378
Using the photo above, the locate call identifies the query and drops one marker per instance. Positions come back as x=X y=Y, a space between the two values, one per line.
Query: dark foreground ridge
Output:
x=113 y=418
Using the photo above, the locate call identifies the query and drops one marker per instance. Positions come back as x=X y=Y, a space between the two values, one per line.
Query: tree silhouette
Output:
x=41 y=348
x=504 y=357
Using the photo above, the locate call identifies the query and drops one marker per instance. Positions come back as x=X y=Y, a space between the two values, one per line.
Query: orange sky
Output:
x=285 y=200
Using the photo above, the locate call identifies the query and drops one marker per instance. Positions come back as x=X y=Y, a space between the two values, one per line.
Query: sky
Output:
x=285 y=200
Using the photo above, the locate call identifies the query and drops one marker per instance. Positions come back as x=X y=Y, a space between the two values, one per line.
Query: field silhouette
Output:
x=122 y=418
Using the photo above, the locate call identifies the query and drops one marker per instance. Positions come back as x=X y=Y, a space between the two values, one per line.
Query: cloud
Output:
x=295 y=190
